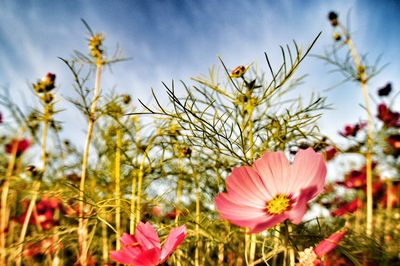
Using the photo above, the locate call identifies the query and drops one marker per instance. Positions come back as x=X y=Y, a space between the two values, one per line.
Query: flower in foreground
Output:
x=272 y=191
x=311 y=256
x=144 y=249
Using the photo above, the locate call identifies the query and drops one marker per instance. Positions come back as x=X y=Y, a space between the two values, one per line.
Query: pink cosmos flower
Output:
x=143 y=249
x=272 y=191
x=312 y=256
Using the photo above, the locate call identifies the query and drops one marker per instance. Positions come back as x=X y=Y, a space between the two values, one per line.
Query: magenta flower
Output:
x=352 y=130
x=143 y=249
x=387 y=116
x=272 y=190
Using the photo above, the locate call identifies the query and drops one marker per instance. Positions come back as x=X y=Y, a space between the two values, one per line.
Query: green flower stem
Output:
x=134 y=180
x=4 y=213
x=140 y=180
x=197 y=219
x=82 y=227
x=104 y=238
x=117 y=185
x=277 y=234
x=368 y=155
x=36 y=185
x=247 y=129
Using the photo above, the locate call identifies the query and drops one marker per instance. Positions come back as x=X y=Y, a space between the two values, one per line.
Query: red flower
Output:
x=144 y=247
x=354 y=179
x=349 y=207
x=352 y=130
x=22 y=146
x=171 y=215
x=387 y=116
x=44 y=214
x=330 y=152
x=394 y=142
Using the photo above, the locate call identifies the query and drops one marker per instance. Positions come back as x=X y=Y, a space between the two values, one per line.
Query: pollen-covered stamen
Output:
x=279 y=204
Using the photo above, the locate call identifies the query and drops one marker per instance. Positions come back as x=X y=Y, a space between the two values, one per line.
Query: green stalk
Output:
x=140 y=180
x=117 y=186
x=368 y=155
x=134 y=180
x=197 y=219
x=277 y=235
x=36 y=185
x=82 y=227
x=104 y=238
x=4 y=210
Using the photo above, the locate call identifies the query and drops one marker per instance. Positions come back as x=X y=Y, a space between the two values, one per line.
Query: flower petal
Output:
x=237 y=214
x=175 y=237
x=122 y=257
x=329 y=244
x=130 y=245
x=299 y=208
x=270 y=222
x=147 y=236
x=150 y=257
x=274 y=169
x=308 y=170
x=226 y=205
x=245 y=185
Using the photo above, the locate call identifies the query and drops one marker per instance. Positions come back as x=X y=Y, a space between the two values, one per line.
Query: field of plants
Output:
x=230 y=170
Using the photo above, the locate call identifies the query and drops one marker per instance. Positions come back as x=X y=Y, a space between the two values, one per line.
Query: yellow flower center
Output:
x=279 y=204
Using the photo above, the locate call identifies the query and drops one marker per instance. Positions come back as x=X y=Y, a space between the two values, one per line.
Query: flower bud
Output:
x=95 y=43
x=336 y=36
x=126 y=98
x=47 y=98
x=238 y=72
x=385 y=91
x=333 y=18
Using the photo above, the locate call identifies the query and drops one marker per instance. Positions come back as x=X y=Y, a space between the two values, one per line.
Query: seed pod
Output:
x=333 y=18
x=47 y=98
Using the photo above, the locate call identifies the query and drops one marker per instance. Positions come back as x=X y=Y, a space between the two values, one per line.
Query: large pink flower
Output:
x=144 y=249
x=272 y=190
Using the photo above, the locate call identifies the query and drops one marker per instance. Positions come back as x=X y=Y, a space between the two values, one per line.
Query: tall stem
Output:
x=4 y=208
x=178 y=190
x=36 y=185
x=249 y=107
x=134 y=179
x=140 y=180
x=105 y=243
x=117 y=185
x=197 y=219
x=368 y=156
x=82 y=227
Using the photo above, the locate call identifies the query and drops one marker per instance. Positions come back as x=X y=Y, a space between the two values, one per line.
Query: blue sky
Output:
x=181 y=39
